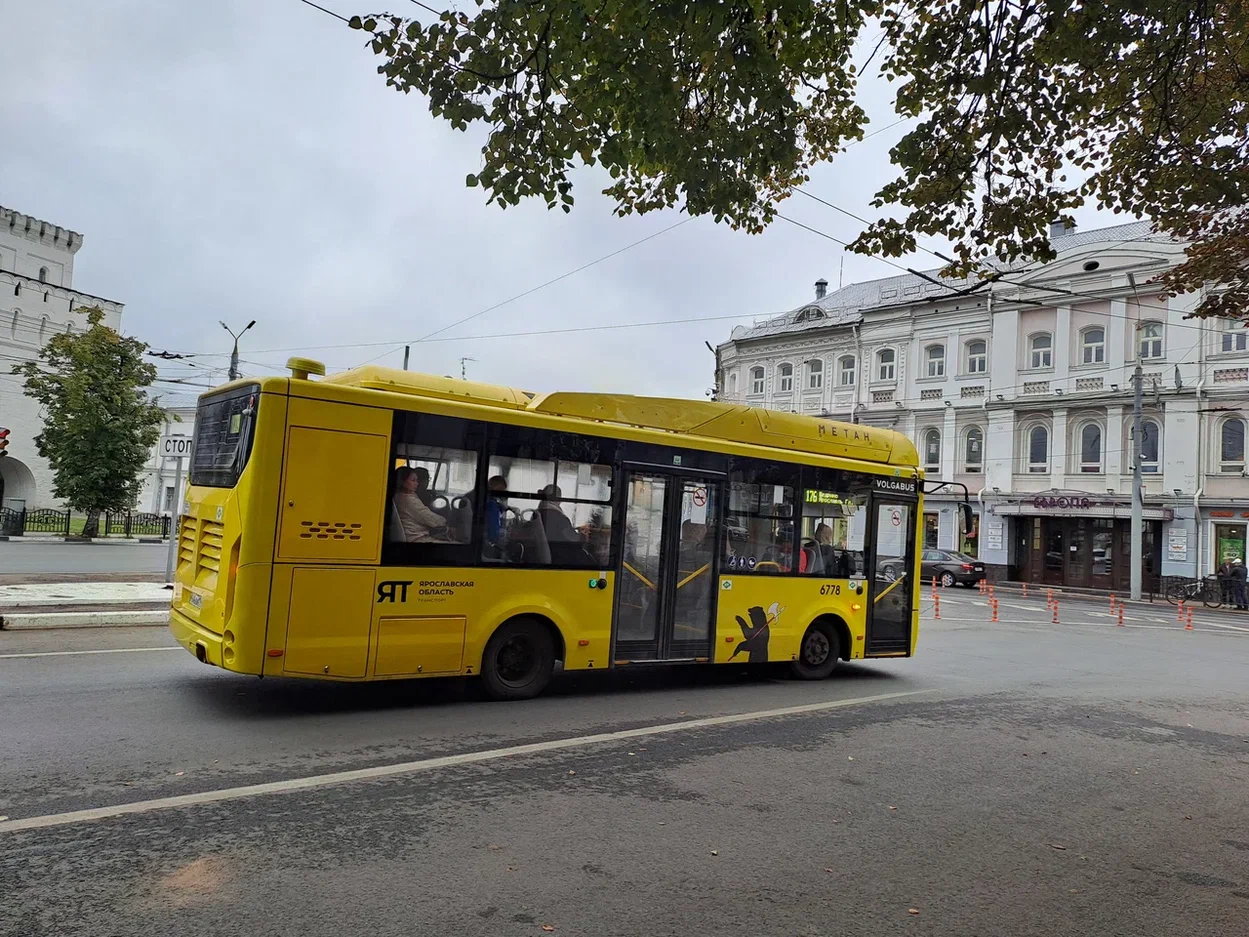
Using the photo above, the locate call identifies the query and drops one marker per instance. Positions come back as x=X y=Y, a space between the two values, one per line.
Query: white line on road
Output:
x=428 y=764
x=102 y=650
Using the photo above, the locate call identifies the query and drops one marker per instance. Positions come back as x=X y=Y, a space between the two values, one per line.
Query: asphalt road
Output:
x=52 y=558
x=1039 y=779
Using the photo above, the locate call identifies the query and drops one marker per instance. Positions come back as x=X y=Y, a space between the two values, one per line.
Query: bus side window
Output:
x=544 y=506
x=834 y=521
x=759 y=520
x=432 y=490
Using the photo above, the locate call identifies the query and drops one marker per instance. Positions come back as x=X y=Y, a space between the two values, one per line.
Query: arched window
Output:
x=1041 y=350
x=1150 y=435
x=1151 y=340
x=815 y=374
x=1093 y=345
x=1232 y=445
x=43 y=274
x=733 y=383
x=932 y=450
x=934 y=356
x=17 y=289
x=977 y=357
x=1038 y=450
x=43 y=328
x=785 y=376
x=845 y=365
x=756 y=380
x=1091 y=449
x=885 y=365
x=973 y=450
x=17 y=314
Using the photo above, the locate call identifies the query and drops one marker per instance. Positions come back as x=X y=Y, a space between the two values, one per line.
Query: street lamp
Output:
x=234 y=355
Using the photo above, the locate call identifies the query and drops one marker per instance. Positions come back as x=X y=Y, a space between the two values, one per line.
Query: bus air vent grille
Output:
x=329 y=530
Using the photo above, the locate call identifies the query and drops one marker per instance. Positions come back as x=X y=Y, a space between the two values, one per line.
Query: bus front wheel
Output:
x=518 y=661
x=818 y=654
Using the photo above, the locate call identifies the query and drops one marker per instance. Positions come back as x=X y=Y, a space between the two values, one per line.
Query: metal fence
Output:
x=18 y=522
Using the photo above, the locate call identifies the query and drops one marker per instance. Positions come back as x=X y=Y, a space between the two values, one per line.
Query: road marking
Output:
x=428 y=764
x=105 y=650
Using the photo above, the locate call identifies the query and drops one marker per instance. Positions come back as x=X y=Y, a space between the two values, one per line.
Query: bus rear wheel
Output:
x=518 y=661
x=818 y=653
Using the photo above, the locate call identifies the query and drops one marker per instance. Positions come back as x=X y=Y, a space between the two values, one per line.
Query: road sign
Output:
x=175 y=447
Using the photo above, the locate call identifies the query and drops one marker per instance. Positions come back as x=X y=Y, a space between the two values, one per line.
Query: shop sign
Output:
x=1063 y=502
x=1177 y=544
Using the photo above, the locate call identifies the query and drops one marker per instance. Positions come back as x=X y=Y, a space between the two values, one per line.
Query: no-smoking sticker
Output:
x=700 y=496
x=896 y=518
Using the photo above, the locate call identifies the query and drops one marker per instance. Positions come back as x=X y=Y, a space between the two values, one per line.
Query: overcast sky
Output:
x=239 y=160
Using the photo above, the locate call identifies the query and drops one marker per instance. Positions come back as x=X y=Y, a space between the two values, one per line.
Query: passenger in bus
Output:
x=418 y=522
x=561 y=537
x=496 y=504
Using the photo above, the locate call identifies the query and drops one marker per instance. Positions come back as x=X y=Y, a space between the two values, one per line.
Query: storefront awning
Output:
x=1076 y=507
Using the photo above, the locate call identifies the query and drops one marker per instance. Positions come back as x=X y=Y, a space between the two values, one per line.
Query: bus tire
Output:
x=818 y=653
x=518 y=660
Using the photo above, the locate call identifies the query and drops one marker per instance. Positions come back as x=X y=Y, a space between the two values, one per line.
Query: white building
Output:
x=37 y=300
x=157 y=494
x=1022 y=390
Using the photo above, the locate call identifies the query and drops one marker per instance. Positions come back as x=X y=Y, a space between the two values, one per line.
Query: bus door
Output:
x=893 y=577
x=666 y=596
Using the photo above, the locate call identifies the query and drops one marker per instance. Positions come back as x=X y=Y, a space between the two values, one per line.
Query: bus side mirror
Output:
x=968 y=520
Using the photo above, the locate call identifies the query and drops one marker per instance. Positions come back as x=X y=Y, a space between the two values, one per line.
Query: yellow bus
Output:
x=382 y=524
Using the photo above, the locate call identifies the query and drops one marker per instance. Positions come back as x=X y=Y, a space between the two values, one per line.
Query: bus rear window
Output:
x=224 y=427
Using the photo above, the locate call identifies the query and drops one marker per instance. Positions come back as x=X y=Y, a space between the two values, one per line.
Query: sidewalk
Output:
x=29 y=606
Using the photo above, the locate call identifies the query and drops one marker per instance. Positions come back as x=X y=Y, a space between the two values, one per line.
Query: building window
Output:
x=977 y=357
x=1041 y=349
x=885 y=364
x=934 y=355
x=43 y=274
x=1149 y=447
x=1091 y=449
x=786 y=374
x=1232 y=445
x=1235 y=336
x=1151 y=340
x=733 y=383
x=756 y=380
x=17 y=289
x=846 y=365
x=13 y=325
x=932 y=450
x=1093 y=345
x=43 y=328
x=815 y=374
x=1038 y=450
x=974 y=450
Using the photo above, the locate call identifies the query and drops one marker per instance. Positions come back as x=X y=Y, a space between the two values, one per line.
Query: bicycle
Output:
x=1208 y=591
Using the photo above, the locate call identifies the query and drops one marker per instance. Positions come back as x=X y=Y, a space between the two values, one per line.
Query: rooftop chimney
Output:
x=821 y=288
x=1060 y=228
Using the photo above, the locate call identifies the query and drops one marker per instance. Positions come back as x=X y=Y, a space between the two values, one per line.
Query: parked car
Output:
x=950 y=568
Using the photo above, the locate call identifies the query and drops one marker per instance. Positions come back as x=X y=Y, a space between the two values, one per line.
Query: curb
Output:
x=37 y=621
x=130 y=541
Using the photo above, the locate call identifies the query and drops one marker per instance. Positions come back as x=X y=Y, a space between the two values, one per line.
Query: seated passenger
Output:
x=422 y=486
x=562 y=538
x=496 y=503
x=418 y=523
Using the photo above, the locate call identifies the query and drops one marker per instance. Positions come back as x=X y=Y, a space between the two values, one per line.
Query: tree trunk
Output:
x=91 y=527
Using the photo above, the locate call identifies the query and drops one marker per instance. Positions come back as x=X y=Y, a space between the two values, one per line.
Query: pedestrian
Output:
x=1225 y=580
x=1238 y=584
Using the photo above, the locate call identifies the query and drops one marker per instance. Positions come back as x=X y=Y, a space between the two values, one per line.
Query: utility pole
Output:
x=234 y=355
x=406 y=350
x=1138 y=507
x=716 y=389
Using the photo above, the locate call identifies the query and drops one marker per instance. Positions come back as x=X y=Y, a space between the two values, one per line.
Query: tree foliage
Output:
x=1024 y=111
x=99 y=425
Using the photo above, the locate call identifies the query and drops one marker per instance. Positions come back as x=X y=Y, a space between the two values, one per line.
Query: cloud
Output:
x=241 y=160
